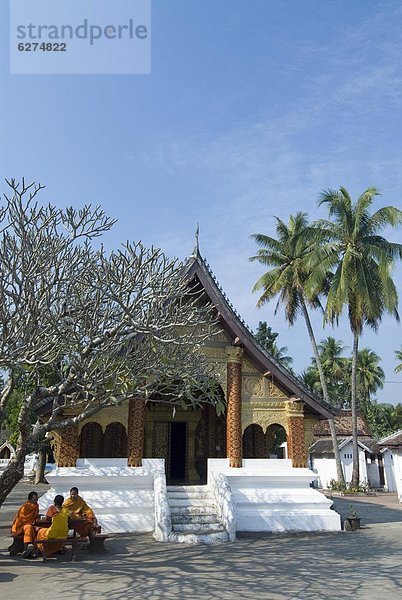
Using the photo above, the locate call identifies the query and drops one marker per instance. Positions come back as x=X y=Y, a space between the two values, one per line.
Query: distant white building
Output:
x=322 y=461
x=322 y=458
x=392 y=445
x=6 y=452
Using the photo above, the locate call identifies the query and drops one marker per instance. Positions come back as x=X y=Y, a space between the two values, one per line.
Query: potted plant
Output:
x=352 y=521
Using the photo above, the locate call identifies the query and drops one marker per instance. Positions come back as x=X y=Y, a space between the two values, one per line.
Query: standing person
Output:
x=58 y=528
x=80 y=510
x=24 y=521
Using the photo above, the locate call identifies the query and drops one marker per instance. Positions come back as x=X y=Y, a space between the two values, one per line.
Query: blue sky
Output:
x=251 y=109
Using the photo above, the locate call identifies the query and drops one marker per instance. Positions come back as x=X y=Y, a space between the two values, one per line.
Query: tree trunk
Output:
x=355 y=447
x=339 y=470
x=15 y=468
x=12 y=474
x=40 y=469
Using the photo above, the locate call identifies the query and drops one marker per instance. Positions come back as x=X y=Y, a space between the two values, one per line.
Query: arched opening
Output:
x=5 y=452
x=115 y=441
x=276 y=441
x=91 y=441
x=254 y=442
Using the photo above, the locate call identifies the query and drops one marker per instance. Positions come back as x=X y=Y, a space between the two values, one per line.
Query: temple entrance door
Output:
x=178 y=452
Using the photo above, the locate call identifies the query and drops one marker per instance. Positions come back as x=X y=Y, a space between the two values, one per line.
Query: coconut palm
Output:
x=286 y=280
x=397 y=417
x=350 y=246
x=398 y=355
x=370 y=376
x=335 y=368
x=267 y=338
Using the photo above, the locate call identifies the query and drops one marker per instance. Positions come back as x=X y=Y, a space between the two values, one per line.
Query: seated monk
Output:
x=24 y=520
x=58 y=528
x=79 y=509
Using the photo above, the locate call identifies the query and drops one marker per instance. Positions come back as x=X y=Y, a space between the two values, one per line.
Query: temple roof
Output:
x=393 y=440
x=343 y=426
x=324 y=446
x=241 y=334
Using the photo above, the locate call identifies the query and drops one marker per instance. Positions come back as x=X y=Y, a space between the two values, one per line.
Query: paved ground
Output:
x=337 y=566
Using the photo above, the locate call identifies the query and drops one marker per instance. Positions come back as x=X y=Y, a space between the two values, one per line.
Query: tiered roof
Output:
x=241 y=335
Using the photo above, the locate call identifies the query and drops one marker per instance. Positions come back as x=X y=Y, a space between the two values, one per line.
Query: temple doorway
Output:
x=178 y=452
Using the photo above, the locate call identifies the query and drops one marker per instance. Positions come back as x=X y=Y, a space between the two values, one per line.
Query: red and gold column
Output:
x=296 y=438
x=233 y=412
x=66 y=446
x=135 y=432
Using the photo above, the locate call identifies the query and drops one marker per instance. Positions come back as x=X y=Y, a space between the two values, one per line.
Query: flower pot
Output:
x=351 y=524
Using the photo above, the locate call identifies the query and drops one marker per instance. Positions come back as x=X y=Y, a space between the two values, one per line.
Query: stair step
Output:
x=192 y=510
x=180 y=518
x=185 y=502
x=187 y=488
x=198 y=527
x=189 y=495
x=194 y=520
x=211 y=537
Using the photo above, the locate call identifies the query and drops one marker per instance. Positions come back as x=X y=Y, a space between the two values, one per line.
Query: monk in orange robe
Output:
x=58 y=528
x=79 y=509
x=24 y=520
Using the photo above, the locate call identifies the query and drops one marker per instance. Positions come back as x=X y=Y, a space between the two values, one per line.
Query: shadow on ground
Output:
x=361 y=565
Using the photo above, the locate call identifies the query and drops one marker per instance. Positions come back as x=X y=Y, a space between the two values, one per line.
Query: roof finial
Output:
x=196 y=251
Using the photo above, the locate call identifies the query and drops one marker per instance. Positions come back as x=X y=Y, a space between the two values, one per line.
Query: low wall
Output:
x=122 y=497
x=397 y=457
x=271 y=495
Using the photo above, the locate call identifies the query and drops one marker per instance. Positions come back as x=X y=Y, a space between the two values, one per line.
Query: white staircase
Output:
x=194 y=518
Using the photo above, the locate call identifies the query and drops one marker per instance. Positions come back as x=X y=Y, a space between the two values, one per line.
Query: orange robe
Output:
x=51 y=511
x=24 y=520
x=58 y=529
x=79 y=508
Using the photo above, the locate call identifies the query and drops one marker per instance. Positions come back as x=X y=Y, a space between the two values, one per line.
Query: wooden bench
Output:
x=70 y=541
x=17 y=546
x=96 y=544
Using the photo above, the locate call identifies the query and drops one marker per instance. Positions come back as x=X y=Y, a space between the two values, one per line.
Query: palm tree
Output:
x=396 y=417
x=286 y=279
x=398 y=354
x=361 y=260
x=370 y=376
x=267 y=339
x=335 y=368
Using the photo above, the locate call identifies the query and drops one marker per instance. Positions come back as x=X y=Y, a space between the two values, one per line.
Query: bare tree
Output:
x=110 y=326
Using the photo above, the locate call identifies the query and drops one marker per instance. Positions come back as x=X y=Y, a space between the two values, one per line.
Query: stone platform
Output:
x=263 y=495
x=271 y=495
x=122 y=497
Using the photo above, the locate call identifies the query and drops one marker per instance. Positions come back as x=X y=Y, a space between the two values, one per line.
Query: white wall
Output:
x=325 y=467
x=389 y=470
x=122 y=497
x=271 y=495
x=397 y=457
x=347 y=463
x=326 y=470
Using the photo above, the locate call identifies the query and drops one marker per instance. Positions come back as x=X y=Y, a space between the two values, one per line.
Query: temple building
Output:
x=270 y=414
